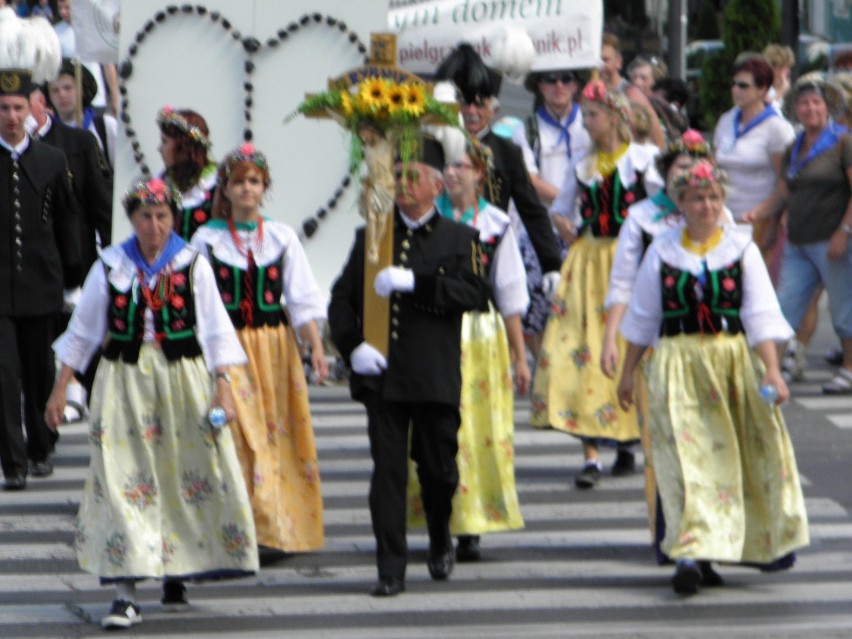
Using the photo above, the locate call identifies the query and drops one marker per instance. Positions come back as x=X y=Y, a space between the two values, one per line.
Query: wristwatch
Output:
x=224 y=376
x=846 y=228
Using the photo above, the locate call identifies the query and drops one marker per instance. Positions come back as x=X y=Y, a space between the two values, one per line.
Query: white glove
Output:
x=549 y=282
x=393 y=278
x=366 y=360
x=70 y=299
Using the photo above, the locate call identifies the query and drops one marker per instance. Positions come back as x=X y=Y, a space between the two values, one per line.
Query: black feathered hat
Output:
x=469 y=73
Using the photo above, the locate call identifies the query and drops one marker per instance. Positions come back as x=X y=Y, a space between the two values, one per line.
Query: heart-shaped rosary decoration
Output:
x=251 y=46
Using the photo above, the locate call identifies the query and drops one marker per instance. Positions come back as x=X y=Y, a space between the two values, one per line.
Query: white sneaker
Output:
x=123 y=614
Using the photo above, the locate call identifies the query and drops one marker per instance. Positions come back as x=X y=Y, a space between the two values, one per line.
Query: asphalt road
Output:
x=582 y=567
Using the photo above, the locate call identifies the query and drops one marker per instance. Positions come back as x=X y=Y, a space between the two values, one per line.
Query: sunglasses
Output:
x=741 y=85
x=553 y=78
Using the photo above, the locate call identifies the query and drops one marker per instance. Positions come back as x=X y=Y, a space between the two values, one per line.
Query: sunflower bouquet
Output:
x=391 y=108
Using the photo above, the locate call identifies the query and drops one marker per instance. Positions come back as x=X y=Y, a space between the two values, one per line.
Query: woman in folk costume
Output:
x=259 y=265
x=492 y=345
x=724 y=464
x=570 y=392
x=645 y=220
x=184 y=147
x=164 y=497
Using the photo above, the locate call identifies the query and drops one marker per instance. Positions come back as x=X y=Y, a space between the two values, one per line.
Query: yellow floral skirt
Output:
x=164 y=496
x=486 y=499
x=570 y=391
x=724 y=463
x=275 y=440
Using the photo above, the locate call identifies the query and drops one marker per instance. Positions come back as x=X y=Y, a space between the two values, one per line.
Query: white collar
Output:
x=416 y=224
x=18 y=149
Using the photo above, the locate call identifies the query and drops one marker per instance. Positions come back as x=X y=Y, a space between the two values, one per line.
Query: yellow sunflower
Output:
x=372 y=94
x=347 y=108
x=396 y=96
x=415 y=100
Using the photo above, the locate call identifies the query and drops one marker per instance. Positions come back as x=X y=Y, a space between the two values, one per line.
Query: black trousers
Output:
x=434 y=444
x=26 y=365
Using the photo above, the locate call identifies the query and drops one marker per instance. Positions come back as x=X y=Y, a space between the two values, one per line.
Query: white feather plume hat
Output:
x=30 y=53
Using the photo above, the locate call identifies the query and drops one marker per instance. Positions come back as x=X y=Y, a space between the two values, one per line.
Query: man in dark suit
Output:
x=436 y=277
x=509 y=179
x=40 y=258
x=92 y=183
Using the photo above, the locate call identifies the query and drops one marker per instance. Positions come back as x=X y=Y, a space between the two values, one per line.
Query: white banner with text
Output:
x=566 y=33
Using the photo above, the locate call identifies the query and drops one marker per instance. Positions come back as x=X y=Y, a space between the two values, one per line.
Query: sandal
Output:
x=840 y=384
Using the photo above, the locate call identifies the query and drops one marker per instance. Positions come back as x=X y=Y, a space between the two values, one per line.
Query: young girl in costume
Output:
x=570 y=392
x=259 y=265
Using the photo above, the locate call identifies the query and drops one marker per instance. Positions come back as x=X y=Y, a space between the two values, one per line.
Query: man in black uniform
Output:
x=92 y=182
x=436 y=278
x=39 y=257
x=509 y=180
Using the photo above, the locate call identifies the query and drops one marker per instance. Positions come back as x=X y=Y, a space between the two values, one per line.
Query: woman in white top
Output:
x=724 y=463
x=164 y=497
x=750 y=139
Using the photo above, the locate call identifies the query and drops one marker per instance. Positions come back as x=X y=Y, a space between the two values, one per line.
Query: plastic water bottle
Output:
x=768 y=393
x=217 y=417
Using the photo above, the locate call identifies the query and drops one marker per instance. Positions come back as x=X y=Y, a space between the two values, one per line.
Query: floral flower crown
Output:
x=700 y=175
x=243 y=153
x=169 y=117
x=150 y=191
x=690 y=143
x=596 y=91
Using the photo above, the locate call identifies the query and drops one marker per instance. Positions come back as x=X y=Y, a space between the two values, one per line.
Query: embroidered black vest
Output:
x=488 y=248
x=195 y=216
x=251 y=297
x=603 y=205
x=691 y=305
x=174 y=324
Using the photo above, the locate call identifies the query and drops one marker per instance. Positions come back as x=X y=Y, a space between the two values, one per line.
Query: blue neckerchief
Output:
x=564 y=134
x=88 y=117
x=173 y=246
x=768 y=112
x=445 y=208
x=828 y=138
x=665 y=204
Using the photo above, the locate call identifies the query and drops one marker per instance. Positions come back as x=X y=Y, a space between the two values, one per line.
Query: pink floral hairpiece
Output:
x=169 y=117
x=690 y=143
x=246 y=152
x=596 y=92
x=701 y=175
x=151 y=191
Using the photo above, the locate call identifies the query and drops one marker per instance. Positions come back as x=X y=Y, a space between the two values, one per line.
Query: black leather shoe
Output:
x=625 y=463
x=441 y=564
x=389 y=587
x=468 y=548
x=687 y=578
x=41 y=469
x=18 y=482
x=709 y=577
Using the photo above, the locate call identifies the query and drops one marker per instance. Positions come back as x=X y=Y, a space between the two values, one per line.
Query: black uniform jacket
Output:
x=91 y=179
x=39 y=237
x=424 y=359
x=511 y=181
